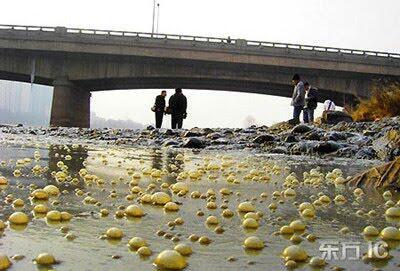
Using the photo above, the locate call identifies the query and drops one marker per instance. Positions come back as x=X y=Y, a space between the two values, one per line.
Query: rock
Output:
x=171 y=143
x=301 y=129
x=335 y=136
x=279 y=150
x=303 y=147
x=193 y=133
x=194 y=142
x=334 y=117
x=214 y=135
x=263 y=139
x=313 y=135
x=385 y=176
x=387 y=145
x=290 y=139
x=326 y=147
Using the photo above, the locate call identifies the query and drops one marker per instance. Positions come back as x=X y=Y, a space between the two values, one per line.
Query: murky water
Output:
x=89 y=252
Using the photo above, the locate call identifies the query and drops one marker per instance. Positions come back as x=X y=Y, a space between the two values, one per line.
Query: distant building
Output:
x=26 y=104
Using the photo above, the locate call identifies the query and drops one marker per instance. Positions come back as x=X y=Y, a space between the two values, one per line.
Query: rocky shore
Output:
x=358 y=140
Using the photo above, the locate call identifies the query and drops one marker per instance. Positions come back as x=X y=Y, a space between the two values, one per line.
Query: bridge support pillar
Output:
x=70 y=106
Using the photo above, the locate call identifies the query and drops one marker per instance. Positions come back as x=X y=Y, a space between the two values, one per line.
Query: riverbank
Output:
x=358 y=140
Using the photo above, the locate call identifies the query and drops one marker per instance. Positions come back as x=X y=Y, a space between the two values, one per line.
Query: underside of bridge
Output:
x=75 y=75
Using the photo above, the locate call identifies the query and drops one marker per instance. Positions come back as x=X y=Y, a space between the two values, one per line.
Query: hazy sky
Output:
x=358 y=24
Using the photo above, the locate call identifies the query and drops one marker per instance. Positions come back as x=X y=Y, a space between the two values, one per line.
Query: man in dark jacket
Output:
x=159 y=108
x=177 y=107
x=310 y=103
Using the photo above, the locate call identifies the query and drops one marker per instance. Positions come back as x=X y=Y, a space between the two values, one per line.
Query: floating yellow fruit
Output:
x=317 y=262
x=65 y=216
x=212 y=220
x=297 y=225
x=160 y=198
x=370 y=231
x=40 y=209
x=250 y=223
x=252 y=215
x=18 y=203
x=52 y=190
x=3 y=180
x=134 y=211
x=5 y=262
x=227 y=213
x=18 y=218
x=289 y=192
x=305 y=205
x=114 y=233
x=390 y=233
x=171 y=207
x=393 y=212
x=246 y=207
x=170 y=259
x=137 y=242
x=286 y=230
x=308 y=213
x=2 y=225
x=45 y=259
x=253 y=242
x=295 y=253
x=144 y=251
x=53 y=215
x=40 y=194
x=183 y=249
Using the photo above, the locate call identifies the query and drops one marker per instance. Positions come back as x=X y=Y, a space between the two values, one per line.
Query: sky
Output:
x=356 y=24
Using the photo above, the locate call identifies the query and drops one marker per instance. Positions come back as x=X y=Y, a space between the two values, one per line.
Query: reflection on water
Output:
x=109 y=183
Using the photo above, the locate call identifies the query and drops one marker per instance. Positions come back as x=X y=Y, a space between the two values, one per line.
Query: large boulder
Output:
x=194 y=143
x=387 y=146
x=334 y=117
x=301 y=129
x=326 y=147
x=264 y=138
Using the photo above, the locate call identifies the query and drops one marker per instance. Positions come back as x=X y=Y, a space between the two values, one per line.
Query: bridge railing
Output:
x=213 y=40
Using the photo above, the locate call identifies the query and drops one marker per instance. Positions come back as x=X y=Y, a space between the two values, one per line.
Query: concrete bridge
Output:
x=78 y=61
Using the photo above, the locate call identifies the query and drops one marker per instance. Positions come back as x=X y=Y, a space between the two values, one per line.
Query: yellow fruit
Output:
x=393 y=212
x=170 y=259
x=114 y=233
x=53 y=215
x=297 y=225
x=40 y=194
x=253 y=242
x=134 y=211
x=3 y=180
x=295 y=253
x=317 y=262
x=40 y=209
x=144 y=251
x=160 y=198
x=183 y=249
x=5 y=262
x=390 y=233
x=246 y=207
x=286 y=230
x=212 y=220
x=18 y=218
x=250 y=223
x=137 y=242
x=171 y=207
x=52 y=190
x=370 y=231
x=45 y=259
x=65 y=216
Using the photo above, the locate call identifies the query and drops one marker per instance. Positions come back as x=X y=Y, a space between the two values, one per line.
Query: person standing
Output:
x=159 y=108
x=177 y=106
x=297 y=97
x=310 y=103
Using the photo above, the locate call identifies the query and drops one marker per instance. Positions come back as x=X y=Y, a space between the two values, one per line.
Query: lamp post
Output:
x=158 y=16
x=154 y=15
